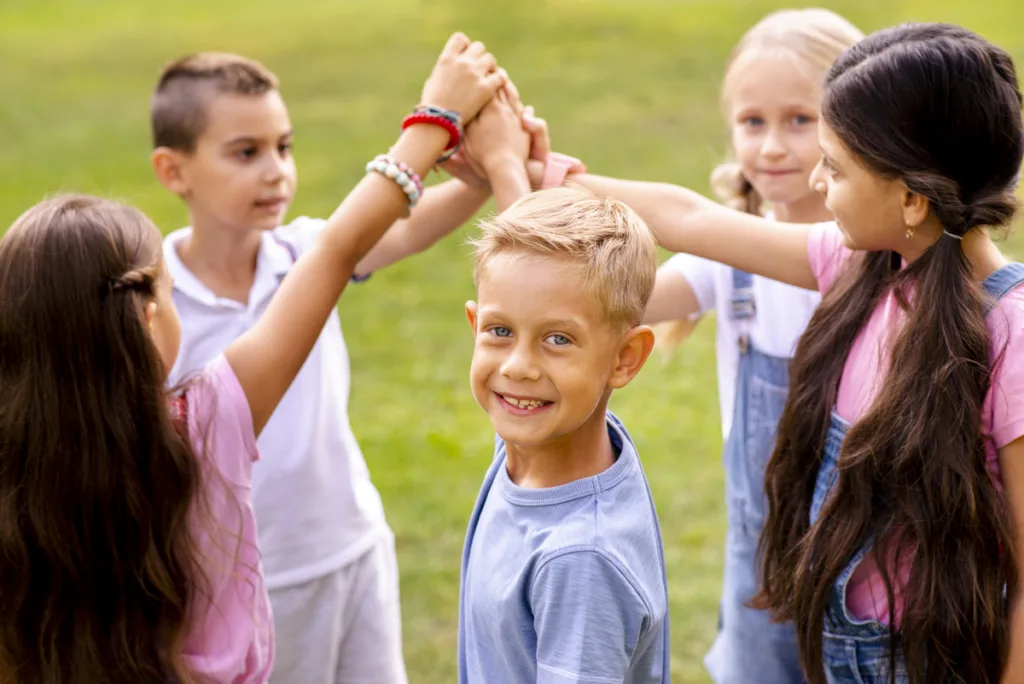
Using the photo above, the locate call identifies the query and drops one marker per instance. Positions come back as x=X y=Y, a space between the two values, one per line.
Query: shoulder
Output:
x=1006 y=392
x=586 y=569
x=827 y=252
x=220 y=420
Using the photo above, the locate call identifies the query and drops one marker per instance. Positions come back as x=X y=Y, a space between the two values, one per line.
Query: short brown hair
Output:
x=177 y=110
x=611 y=242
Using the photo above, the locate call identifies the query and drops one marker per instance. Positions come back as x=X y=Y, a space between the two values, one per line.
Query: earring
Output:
x=910 y=231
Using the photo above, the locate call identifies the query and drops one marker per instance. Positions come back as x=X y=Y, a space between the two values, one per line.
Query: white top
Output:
x=316 y=508
x=783 y=312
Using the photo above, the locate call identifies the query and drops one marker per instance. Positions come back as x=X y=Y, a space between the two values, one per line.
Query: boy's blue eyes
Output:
x=555 y=339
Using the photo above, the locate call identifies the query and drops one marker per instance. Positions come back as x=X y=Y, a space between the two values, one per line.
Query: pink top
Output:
x=865 y=369
x=232 y=638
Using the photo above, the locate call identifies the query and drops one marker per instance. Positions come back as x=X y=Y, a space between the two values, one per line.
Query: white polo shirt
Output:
x=316 y=508
x=783 y=312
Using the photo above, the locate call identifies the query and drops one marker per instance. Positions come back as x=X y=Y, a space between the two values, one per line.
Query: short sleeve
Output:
x=827 y=253
x=220 y=422
x=588 y=618
x=1006 y=394
x=700 y=274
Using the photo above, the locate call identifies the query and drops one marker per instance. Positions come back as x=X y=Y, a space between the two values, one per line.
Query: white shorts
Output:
x=344 y=628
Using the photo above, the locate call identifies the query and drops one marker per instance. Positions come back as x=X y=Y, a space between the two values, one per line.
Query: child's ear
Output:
x=167 y=165
x=915 y=208
x=471 y=308
x=636 y=347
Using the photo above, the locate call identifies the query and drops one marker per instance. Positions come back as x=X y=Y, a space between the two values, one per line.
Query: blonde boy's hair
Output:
x=615 y=247
x=178 y=107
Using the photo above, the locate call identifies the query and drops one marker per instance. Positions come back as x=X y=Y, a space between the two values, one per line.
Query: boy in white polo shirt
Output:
x=222 y=140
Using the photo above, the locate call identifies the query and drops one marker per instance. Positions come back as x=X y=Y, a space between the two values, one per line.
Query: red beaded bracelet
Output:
x=454 y=135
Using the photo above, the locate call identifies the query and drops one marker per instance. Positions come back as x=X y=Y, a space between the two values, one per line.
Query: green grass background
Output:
x=629 y=86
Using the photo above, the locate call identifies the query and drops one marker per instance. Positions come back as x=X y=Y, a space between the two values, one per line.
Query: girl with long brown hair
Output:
x=127 y=538
x=896 y=488
x=771 y=95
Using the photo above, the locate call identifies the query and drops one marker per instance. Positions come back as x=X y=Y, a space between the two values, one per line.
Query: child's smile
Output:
x=543 y=350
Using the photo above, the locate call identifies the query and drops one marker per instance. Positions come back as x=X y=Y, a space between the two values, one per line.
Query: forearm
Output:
x=685 y=221
x=441 y=210
x=267 y=357
x=509 y=182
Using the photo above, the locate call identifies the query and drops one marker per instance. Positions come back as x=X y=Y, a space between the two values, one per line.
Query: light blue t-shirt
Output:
x=565 y=584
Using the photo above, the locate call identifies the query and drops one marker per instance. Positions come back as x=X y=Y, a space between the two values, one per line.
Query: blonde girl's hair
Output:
x=814 y=38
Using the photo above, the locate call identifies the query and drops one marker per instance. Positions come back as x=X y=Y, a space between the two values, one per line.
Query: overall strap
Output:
x=1001 y=282
x=742 y=304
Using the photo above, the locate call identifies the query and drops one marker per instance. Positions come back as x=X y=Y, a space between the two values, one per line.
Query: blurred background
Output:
x=630 y=86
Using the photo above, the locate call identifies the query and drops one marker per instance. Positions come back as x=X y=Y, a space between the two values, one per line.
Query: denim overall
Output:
x=857 y=651
x=750 y=648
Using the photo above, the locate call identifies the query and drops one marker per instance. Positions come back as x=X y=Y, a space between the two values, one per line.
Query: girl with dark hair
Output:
x=896 y=488
x=127 y=536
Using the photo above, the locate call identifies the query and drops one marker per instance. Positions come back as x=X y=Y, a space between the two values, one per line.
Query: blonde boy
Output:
x=563 y=574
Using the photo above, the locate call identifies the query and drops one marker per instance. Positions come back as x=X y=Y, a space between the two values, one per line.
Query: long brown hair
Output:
x=939 y=108
x=98 y=566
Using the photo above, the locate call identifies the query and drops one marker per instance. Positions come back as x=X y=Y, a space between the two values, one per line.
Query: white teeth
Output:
x=523 y=403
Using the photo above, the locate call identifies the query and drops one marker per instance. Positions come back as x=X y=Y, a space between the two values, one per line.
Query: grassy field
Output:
x=630 y=87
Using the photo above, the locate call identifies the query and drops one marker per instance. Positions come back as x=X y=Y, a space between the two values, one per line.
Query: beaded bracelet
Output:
x=405 y=177
x=404 y=168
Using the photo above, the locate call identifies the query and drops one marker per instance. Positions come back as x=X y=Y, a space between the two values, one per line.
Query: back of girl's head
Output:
x=938 y=108
x=96 y=482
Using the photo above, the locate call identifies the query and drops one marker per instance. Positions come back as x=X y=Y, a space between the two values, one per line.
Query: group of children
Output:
x=874 y=432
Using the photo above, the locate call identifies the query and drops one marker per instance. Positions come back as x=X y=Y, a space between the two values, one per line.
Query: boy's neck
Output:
x=585 y=452
x=224 y=261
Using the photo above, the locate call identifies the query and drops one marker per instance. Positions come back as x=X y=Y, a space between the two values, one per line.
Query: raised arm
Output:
x=441 y=210
x=268 y=357
x=685 y=221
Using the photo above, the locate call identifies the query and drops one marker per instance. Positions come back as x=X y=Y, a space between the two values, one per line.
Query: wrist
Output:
x=556 y=169
x=420 y=145
x=501 y=162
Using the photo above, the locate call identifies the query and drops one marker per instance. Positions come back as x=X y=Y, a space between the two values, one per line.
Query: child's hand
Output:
x=464 y=78
x=535 y=172
x=497 y=136
x=466 y=169
x=540 y=142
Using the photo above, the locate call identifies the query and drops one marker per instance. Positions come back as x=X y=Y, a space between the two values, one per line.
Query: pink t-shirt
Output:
x=866 y=367
x=232 y=638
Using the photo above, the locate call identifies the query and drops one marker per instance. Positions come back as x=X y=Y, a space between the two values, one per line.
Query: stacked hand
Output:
x=464 y=79
x=505 y=132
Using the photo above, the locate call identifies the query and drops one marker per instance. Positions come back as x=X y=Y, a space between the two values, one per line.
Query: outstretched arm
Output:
x=685 y=221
